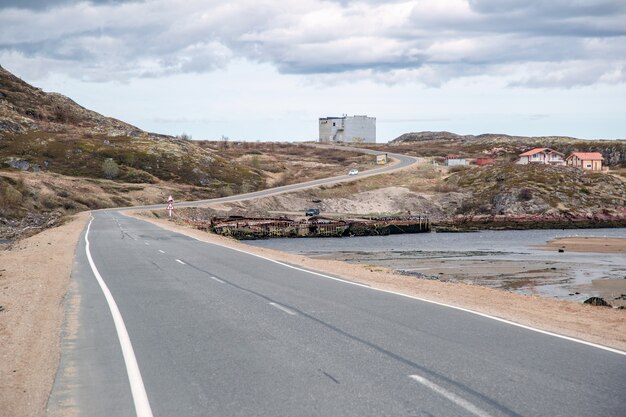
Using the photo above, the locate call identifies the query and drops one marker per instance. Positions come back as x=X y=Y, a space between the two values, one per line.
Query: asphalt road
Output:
x=217 y=332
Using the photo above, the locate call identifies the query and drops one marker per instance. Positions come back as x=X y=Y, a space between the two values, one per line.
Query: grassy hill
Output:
x=57 y=158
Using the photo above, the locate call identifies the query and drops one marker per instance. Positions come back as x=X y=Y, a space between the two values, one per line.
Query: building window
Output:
x=333 y=123
x=588 y=165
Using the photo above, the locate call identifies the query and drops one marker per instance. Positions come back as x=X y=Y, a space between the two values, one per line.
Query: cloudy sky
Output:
x=266 y=70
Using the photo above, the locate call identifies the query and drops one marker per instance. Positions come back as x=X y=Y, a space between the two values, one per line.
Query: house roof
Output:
x=595 y=156
x=539 y=150
x=533 y=151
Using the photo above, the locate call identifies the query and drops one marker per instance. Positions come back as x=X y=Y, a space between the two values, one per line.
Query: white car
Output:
x=353 y=171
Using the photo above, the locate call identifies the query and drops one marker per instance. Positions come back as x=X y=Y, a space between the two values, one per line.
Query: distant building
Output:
x=485 y=161
x=351 y=129
x=591 y=161
x=545 y=156
x=454 y=160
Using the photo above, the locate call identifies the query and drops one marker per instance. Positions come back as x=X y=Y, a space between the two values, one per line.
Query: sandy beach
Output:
x=588 y=244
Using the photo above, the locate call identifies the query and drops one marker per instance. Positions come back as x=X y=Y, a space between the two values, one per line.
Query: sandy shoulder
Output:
x=34 y=277
x=599 y=325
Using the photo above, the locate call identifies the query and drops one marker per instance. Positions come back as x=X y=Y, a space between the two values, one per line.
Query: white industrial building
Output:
x=355 y=129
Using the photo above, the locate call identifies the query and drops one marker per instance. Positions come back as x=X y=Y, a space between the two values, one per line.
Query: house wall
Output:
x=454 y=162
x=360 y=128
x=347 y=129
x=586 y=164
x=591 y=165
x=331 y=129
x=542 y=158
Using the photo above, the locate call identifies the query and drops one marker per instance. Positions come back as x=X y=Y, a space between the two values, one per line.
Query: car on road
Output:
x=312 y=212
x=353 y=171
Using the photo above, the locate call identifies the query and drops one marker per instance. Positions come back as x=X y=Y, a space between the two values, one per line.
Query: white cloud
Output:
x=419 y=41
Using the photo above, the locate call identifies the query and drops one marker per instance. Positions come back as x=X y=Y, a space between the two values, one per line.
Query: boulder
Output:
x=596 y=301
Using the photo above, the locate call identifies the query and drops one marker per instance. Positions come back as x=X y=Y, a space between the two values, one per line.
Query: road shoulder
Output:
x=34 y=278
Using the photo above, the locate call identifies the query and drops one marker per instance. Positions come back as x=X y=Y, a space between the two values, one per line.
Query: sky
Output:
x=267 y=70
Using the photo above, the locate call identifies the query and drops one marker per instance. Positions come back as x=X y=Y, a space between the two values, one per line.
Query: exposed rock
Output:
x=596 y=301
x=20 y=164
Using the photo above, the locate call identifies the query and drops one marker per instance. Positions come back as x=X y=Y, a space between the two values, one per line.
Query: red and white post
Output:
x=170 y=205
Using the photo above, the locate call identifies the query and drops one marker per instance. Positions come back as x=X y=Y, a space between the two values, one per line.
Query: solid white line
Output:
x=161 y=251
x=285 y=309
x=217 y=279
x=512 y=323
x=140 y=397
x=180 y=262
x=468 y=406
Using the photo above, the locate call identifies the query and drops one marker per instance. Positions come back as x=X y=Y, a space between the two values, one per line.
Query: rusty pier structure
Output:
x=264 y=228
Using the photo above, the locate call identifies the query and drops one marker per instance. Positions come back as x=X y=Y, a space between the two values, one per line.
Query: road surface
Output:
x=217 y=332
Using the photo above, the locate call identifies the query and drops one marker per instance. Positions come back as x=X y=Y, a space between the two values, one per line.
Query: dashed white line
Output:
x=461 y=402
x=283 y=308
x=217 y=279
x=137 y=388
x=180 y=262
x=146 y=243
x=161 y=251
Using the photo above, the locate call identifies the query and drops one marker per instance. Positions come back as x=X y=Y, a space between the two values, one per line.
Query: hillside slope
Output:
x=504 y=147
x=497 y=196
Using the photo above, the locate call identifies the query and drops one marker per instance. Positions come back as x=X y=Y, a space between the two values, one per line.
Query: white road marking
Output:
x=146 y=243
x=161 y=251
x=285 y=309
x=138 y=391
x=217 y=279
x=468 y=406
x=512 y=323
x=180 y=262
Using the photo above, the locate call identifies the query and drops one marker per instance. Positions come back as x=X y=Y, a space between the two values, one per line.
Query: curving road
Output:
x=161 y=324
x=401 y=162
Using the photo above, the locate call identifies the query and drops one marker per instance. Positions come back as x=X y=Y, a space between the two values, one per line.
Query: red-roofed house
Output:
x=586 y=160
x=541 y=156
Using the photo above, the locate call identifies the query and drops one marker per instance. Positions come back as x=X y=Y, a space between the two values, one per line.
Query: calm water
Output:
x=518 y=241
x=572 y=279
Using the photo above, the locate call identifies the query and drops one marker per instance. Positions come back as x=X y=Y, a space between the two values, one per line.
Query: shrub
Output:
x=525 y=194
x=10 y=197
x=459 y=168
x=110 y=169
x=137 y=176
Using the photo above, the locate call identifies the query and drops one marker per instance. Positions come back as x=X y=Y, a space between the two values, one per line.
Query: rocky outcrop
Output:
x=596 y=301
x=26 y=108
x=551 y=220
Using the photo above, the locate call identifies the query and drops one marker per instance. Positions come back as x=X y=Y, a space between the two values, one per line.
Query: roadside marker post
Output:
x=170 y=205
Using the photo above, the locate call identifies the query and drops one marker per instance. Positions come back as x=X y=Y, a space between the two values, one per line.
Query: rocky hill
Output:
x=56 y=158
x=471 y=197
x=502 y=146
x=24 y=108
